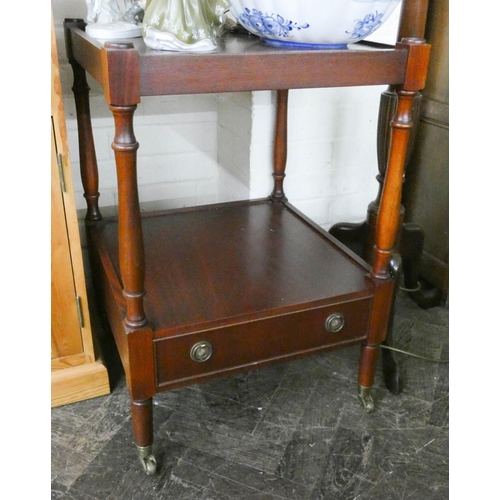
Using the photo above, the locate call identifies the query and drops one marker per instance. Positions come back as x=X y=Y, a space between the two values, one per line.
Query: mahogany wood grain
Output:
x=252 y=344
x=120 y=63
x=88 y=161
x=388 y=221
x=263 y=258
x=280 y=145
x=108 y=289
x=87 y=54
x=253 y=65
x=417 y=65
x=378 y=329
x=285 y=314
x=345 y=249
x=131 y=245
x=135 y=346
x=142 y=422
x=367 y=365
x=244 y=63
x=413 y=19
x=141 y=364
x=412 y=25
x=381 y=310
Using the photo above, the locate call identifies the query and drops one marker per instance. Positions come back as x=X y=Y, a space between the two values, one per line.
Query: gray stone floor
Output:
x=294 y=431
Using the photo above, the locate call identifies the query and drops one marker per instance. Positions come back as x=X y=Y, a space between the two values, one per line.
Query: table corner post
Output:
x=120 y=63
x=388 y=219
x=280 y=146
x=384 y=272
x=87 y=156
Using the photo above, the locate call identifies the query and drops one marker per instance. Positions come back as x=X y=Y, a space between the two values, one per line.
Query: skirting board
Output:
x=78 y=383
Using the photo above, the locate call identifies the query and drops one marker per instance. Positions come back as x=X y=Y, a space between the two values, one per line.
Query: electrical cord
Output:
x=416 y=289
x=446 y=361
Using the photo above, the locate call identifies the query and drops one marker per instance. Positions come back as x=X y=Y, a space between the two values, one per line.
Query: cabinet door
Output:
x=66 y=334
x=78 y=373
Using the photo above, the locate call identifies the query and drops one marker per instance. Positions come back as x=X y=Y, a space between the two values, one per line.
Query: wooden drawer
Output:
x=249 y=345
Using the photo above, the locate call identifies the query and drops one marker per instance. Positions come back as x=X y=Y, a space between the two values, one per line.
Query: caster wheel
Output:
x=366 y=398
x=149 y=465
x=147 y=459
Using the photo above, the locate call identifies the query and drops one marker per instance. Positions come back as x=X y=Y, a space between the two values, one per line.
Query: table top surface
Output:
x=244 y=62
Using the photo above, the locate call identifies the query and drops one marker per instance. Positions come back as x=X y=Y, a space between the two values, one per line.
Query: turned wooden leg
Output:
x=388 y=224
x=122 y=93
x=380 y=331
x=132 y=271
x=360 y=238
x=280 y=146
x=130 y=240
x=366 y=376
x=88 y=162
x=142 y=421
x=388 y=220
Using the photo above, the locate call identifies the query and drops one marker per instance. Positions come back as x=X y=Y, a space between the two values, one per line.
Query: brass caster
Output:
x=364 y=395
x=147 y=459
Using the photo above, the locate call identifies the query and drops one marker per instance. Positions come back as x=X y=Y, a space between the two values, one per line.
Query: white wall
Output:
x=218 y=147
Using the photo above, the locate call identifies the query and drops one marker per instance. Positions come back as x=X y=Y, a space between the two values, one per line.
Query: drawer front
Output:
x=192 y=357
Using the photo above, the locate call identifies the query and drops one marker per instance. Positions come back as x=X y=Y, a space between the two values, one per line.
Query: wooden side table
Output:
x=210 y=291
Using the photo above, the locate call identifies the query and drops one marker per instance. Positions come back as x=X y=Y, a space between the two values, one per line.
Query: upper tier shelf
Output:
x=243 y=62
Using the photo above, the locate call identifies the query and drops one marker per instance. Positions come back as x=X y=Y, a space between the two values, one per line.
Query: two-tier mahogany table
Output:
x=205 y=292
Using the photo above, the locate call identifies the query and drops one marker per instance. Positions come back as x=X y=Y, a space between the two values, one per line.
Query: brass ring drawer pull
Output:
x=201 y=351
x=335 y=322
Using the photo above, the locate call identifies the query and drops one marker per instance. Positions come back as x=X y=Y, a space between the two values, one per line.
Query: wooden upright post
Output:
x=388 y=220
x=280 y=146
x=88 y=162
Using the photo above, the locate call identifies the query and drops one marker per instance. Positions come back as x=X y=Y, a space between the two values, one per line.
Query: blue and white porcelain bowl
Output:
x=312 y=23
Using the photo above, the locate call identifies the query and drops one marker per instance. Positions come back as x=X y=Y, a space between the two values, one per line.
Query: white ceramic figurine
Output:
x=184 y=25
x=107 y=21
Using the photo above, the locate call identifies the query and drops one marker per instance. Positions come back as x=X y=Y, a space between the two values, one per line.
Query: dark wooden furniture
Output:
x=427 y=173
x=210 y=291
x=360 y=237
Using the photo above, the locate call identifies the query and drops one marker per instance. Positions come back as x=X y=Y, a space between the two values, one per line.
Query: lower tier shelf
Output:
x=247 y=283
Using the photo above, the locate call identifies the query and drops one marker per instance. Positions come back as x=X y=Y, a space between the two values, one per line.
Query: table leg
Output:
x=280 y=146
x=130 y=240
x=142 y=421
x=88 y=162
x=388 y=221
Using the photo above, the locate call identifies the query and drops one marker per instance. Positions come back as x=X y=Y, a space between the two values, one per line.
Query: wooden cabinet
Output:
x=77 y=373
